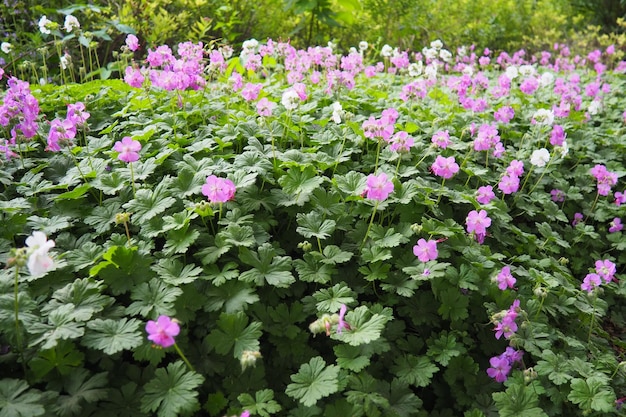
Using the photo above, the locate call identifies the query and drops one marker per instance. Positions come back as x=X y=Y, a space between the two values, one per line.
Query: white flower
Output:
x=462 y=51
x=43 y=25
x=543 y=117
x=436 y=44
x=564 y=149
x=363 y=45
x=65 y=61
x=227 y=51
x=445 y=55
x=547 y=78
x=337 y=112
x=416 y=68
x=6 y=47
x=594 y=107
x=331 y=45
x=250 y=45
x=39 y=262
x=540 y=157
x=429 y=53
x=511 y=72
x=431 y=70
x=386 y=51
x=290 y=99
x=352 y=50
x=526 y=70
x=71 y=23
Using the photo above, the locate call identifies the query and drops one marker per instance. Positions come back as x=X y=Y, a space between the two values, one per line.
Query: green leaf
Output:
x=219 y=277
x=313 y=225
x=233 y=296
x=172 y=391
x=453 y=304
x=351 y=357
x=102 y=216
x=330 y=299
x=414 y=370
x=81 y=388
x=313 y=382
x=75 y=194
x=173 y=272
x=444 y=348
x=387 y=238
x=109 y=184
x=311 y=269
x=262 y=404
x=233 y=332
x=61 y=326
x=555 y=367
x=63 y=357
x=351 y=184
x=84 y=295
x=592 y=394
x=178 y=241
x=16 y=400
x=49 y=225
x=267 y=267
x=365 y=327
x=298 y=184
x=518 y=401
x=334 y=255
x=153 y=299
x=112 y=336
x=149 y=203
x=123 y=268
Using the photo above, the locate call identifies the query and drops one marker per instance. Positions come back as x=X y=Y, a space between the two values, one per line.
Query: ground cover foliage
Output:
x=294 y=232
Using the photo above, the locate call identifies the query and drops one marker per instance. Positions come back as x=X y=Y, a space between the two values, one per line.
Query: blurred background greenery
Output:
x=407 y=24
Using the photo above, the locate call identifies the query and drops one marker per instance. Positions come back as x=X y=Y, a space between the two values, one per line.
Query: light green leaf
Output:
x=154 y=298
x=172 y=391
x=351 y=357
x=313 y=382
x=233 y=296
x=149 y=203
x=267 y=267
x=330 y=299
x=313 y=225
x=298 y=184
x=311 y=269
x=592 y=394
x=365 y=327
x=334 y=255
x=518 y=401
x=173 y=272
x=262 y=404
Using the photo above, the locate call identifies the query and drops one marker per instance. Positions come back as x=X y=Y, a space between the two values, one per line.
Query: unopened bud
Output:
x=305 y=246
x=563 y=260
x=122 y=218
x=248 y=358
x=529 y=375
x=540 y=292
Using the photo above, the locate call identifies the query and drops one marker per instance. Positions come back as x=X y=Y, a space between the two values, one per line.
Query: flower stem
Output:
x=132 y=178
x=593 y=316
x=370 y=225
x=184 y=358
x=18 y=335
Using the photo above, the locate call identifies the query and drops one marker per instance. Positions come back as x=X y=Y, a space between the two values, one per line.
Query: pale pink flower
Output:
x=426 y=250
x=378 y=187
x=128 y=149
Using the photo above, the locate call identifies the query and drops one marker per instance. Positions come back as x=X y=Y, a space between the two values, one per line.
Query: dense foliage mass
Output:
x=305 y=233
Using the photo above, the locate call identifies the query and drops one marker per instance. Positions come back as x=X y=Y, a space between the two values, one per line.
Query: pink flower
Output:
x=341 y=324
x=426 y=250
x=61 y=133
x=558 y=196
x=620 y=198
x=504 y=114
x=506 y=327
x=505 y=279
x=515 y=168
x=264 y=107
x=616 y=225
x=133 y=77
x=251 y=91
x=485 y=194
x=441 y=139
x=591 y=282
x=445 y=167
x=401 y=142
x=500 y=368
x=606 y=269
x=162 y=331
x=132 y=42
x=508 y=184
x=477 y=222
x=128 y=149
x=378 y=187
x=218 y=190
x=246 y=413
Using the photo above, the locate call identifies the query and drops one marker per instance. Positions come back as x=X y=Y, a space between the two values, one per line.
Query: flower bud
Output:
x=305 y=246
x=416 y=228
x=248 y=358
x=563 y=260
x=122 y=218
x=529 y=375
x=540 y=292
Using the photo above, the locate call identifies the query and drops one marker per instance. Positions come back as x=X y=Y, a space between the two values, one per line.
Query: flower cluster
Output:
x=18 y=112
x=488 y=138
x=325 y=323
x=381 y=129
x=168 y=72
x=509 y=183
x=605 y=179
x=504 y=321
x=502 y=364
x=605 y=271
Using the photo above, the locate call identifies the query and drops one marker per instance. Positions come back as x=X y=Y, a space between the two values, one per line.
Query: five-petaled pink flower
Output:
x=445 y=167
x=500 y=368
x=218 y=190
x=505 y=279
x=162 y=331
x=485 y=194
x=128 y=149
x=426 y=250
x=378 y=187
x=477 y=222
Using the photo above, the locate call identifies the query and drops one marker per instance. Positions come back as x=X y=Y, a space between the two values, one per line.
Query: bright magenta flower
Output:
x=128 y=149
x=378 y=187
x=218 y=190
x=426 y=250
x=445 y=167
x=341 y=324
x=162 y=331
